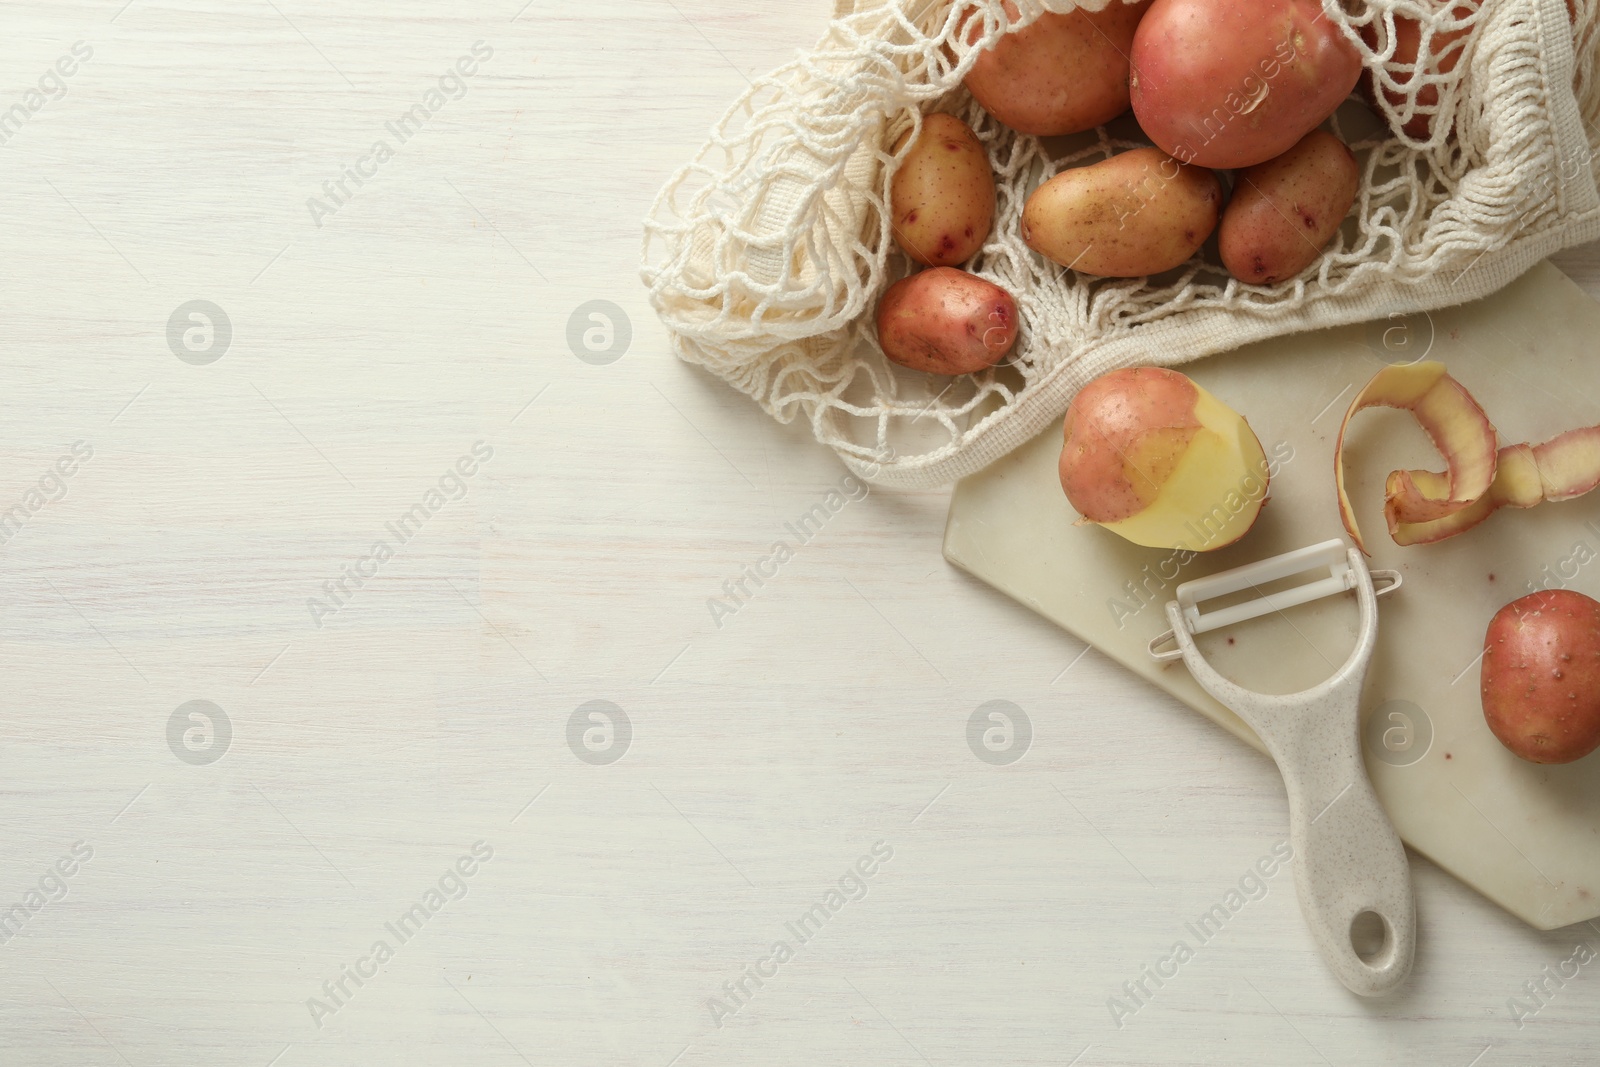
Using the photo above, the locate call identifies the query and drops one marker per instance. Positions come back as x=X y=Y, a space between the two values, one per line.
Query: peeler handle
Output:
x=1349 y=863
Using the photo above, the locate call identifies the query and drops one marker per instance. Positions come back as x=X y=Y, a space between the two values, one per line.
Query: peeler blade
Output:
x=1332 y=555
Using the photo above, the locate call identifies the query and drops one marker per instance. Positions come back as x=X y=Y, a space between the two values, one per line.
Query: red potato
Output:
x=1135 y=214
x=946 y=321
x=1407 y=46
x=1061 y=73
x=1541 y=676
x=1227 y=84
x=942 y=197
x=1285 y=210
x=1155 y=459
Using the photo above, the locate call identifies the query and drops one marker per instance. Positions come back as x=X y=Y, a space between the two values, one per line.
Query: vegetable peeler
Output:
x=1350 y=868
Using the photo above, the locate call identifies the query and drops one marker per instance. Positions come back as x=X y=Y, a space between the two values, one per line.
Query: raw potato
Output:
x=1285 y=210
x=946 y=321
x=1541 y=676
x=1229 y=84
x=1138 y=213
x=942 y=197
x=1407 y=45
x=1156 y=459
x=1060 y=74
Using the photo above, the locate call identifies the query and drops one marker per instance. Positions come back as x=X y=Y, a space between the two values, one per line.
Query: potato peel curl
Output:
x=1424 y=507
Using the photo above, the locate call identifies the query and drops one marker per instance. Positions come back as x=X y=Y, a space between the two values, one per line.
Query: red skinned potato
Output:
x=946 y=321
x=1407 y=46
x=1137 y=213
x=1155 y=459
x=1059 y=74
x=942 y=197
x=1541 y=676
x=1228 y=84
x=1285 y=210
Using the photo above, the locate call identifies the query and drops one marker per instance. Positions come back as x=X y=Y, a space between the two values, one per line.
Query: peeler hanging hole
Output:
x=1370 y=937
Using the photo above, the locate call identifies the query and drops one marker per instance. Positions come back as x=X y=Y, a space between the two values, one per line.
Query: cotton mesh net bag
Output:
x=766 y=255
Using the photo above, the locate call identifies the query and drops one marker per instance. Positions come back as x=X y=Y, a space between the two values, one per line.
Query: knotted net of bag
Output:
x=766 y=254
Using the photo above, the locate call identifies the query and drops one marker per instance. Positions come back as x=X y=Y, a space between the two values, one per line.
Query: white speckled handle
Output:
x=1348 y=859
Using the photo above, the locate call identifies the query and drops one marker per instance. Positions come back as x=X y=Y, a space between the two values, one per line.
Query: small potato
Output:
x=1138 y=213
x=1285 y=210
x=946 y=321
x=1541 y=676
x=1229 y=84
x=942 y=197
x=1060 y=74
x=1407 y=46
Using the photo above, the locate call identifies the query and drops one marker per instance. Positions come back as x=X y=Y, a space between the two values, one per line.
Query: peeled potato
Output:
x=1285 y=210
x=942 y=197
x=1059 y=74
x=946 y=321
x=1541 y=676
x=1154 y=458
x=1138 y=213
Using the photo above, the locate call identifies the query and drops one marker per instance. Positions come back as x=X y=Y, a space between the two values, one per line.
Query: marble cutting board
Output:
x=1526 y=836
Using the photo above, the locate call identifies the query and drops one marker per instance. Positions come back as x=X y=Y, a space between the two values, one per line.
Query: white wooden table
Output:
x=210 y=882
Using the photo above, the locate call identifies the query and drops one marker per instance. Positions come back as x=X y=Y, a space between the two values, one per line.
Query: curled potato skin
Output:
x=946 y=321
x=1061 y=73
x=1284 y=211
x=1138 y=213
x=942 y=197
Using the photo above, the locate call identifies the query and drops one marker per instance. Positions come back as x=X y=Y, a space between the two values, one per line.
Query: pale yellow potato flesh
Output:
x=1214 y=493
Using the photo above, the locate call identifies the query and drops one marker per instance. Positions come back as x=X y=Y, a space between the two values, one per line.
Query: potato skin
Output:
x=1226 y=84
x=1138 y=213
x=1144 y=412
x=1061 y=73
x=1285 y=210
x=946 y=321
x=942 y=197
x=1540 y=680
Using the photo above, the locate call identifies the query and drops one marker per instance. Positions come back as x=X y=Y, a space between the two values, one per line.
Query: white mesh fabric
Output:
x=766 y=255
